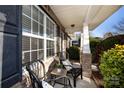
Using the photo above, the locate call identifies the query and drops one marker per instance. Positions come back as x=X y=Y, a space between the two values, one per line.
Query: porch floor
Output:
x=81 y=83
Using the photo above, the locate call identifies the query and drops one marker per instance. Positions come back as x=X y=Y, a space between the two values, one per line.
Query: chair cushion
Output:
x=46 y=85
x=26 y=77
x=66 y=63
x=37 y=68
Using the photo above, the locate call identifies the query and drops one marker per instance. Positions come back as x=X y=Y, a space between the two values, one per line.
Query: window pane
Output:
x=35 y=27
x=41 y=54
x=41 y=30
x=52 y=52
x=25 y=43
x=26 y=57
x=48 y=45
x=41 y=18
x=33 y=43
x=41 y=44
x=48 y=53
x=50 y=48
x=48 y=32
x=34 y=55
x=26 y=9
x=53 y=31
x=35 y=13
x=26 y=24
x=47 y=22
x=50 y=29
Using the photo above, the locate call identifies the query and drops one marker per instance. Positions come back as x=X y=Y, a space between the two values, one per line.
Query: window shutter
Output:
x=10 y=40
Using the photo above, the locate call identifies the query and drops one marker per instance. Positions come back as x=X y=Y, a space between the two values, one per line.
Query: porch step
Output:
x=97 y=78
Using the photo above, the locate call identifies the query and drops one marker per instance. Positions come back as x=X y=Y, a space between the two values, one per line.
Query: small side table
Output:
x=59 y=72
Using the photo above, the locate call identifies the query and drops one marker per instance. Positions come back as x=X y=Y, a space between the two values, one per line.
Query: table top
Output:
x=59 y=72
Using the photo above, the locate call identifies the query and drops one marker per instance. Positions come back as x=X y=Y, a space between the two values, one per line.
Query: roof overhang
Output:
x=94 y=15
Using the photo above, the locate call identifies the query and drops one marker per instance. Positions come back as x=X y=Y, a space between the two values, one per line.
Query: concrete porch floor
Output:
x=81 y=83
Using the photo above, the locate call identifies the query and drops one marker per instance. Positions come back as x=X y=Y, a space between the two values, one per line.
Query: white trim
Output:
x=32 y=35
x=62 y=41
x=31 y=32
x=55 y=39
x=32 y=50
x=45 y=50
x=1 y=57
x=81 y=42
x=52 y=39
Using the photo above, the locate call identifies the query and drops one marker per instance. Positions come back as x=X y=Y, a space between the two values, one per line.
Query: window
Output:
x=33 y=41
x=32 y=46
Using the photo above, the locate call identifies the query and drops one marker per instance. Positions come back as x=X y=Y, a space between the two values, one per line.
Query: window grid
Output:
x=39 y=36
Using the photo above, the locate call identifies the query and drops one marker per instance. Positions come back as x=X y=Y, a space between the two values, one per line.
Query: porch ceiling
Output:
x=78 y=14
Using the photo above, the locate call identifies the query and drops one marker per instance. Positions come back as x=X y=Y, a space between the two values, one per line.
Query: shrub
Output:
x=105 y=45
x=74 y=53
x=112 y=67
x=94 y=42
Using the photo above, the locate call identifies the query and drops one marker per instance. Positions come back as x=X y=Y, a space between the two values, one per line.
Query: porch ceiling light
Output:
x=72 y=25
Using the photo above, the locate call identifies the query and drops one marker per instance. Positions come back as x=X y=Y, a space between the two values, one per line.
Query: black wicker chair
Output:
x=75 y=71
x=37 y=74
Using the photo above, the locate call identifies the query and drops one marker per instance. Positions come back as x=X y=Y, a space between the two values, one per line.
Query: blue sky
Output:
x=107 y=25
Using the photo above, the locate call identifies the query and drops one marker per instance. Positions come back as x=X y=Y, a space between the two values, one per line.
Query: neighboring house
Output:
x=107 y=35
x=75 y=43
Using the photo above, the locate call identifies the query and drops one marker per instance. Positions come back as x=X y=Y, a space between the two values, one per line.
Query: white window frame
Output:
x=44 y=37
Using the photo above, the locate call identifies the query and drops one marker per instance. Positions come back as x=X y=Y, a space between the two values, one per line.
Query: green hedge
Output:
x=112 y=67
x=94 y=42
x=74 y=53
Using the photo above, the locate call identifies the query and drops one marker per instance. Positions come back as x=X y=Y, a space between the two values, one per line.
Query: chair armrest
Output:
x=76 y=66
x=69 y=65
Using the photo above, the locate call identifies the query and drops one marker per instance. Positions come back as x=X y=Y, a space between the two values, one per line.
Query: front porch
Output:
x=44 y=31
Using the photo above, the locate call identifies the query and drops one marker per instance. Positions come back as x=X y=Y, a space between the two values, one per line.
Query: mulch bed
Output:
x=97 y=77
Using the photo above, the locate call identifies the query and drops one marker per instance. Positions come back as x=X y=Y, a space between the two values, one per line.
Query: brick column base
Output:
x=86 y=64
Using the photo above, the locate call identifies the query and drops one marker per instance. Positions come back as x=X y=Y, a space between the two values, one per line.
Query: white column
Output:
x=81 y=42
x=86 y=45
x=63 y=47
x=86 y=54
